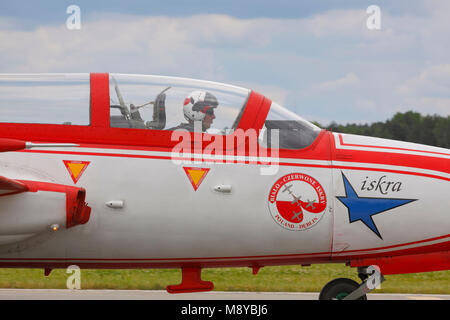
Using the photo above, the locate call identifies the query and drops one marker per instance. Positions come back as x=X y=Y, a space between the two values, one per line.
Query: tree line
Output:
x=410 y=126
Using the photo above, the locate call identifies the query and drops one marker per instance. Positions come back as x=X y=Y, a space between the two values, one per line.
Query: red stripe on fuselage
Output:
x=341 y=140
x=281 y=259
x=391 y=159
x=396 y=159
x=212 y=161
x=323 y=149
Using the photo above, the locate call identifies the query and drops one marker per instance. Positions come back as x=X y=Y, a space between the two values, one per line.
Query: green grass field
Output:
x=286 y=278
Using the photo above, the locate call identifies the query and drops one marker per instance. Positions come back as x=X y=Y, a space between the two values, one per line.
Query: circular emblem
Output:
x=297 y=201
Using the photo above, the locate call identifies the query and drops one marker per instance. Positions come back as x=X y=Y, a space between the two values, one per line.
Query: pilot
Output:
x=198 y=106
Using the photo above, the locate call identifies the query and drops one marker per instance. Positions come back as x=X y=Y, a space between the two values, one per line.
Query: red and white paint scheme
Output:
x=89 y=177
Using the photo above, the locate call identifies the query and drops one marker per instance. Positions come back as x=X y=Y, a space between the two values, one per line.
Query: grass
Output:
x=285 y=278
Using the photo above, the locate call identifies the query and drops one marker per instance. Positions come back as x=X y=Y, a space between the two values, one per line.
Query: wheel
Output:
x=338 y=289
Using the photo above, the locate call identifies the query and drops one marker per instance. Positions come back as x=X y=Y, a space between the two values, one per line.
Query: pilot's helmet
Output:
x=199 y=103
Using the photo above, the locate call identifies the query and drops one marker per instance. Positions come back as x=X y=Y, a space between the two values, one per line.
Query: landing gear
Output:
x=347 y=289
x=338 y=289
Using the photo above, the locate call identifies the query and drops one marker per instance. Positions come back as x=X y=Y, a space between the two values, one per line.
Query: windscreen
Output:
x=294 y=132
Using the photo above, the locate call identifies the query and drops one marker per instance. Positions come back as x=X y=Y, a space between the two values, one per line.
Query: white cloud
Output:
x=329 y=58
x=349 y=80
x=366 y=104
x=274 y=93
x=427 y=105
x=350 y=22
x=346 y=82
x=428 y=91
x=433 y=80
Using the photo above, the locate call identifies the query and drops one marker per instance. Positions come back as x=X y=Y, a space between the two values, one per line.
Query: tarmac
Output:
x=66 y=294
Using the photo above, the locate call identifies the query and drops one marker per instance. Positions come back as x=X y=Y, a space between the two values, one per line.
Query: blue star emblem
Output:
x=363 y=208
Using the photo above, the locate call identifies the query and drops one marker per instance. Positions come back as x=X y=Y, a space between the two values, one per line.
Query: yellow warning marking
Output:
x=196 y=175
x=76 y=168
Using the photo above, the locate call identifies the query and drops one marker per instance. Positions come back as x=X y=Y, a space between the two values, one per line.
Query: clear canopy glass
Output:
x=156 y=102
x=293 y=131
x=45 y=98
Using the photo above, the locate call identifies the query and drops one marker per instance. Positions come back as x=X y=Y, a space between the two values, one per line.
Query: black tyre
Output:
x=338 y=289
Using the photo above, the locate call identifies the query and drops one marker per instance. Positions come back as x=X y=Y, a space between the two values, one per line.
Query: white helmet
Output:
x=197 y=104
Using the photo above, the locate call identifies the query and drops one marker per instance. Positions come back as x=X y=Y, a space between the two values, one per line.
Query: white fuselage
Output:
x=165 y=222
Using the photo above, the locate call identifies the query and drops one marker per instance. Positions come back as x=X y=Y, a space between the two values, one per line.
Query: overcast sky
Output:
x=317 y=58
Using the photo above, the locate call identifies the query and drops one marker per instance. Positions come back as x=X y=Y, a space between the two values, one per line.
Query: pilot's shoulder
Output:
x=186 y=126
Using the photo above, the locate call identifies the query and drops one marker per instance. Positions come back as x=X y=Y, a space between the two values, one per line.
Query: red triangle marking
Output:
x=196 y=185
x=74 y=177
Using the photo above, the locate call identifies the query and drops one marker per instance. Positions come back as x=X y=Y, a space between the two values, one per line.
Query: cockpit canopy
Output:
x=154 y=102
x=146 y=102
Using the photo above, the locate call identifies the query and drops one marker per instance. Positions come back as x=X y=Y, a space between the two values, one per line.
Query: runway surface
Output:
x=61 y=294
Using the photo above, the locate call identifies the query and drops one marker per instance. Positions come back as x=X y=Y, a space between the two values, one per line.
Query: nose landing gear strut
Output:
x=347 y=289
